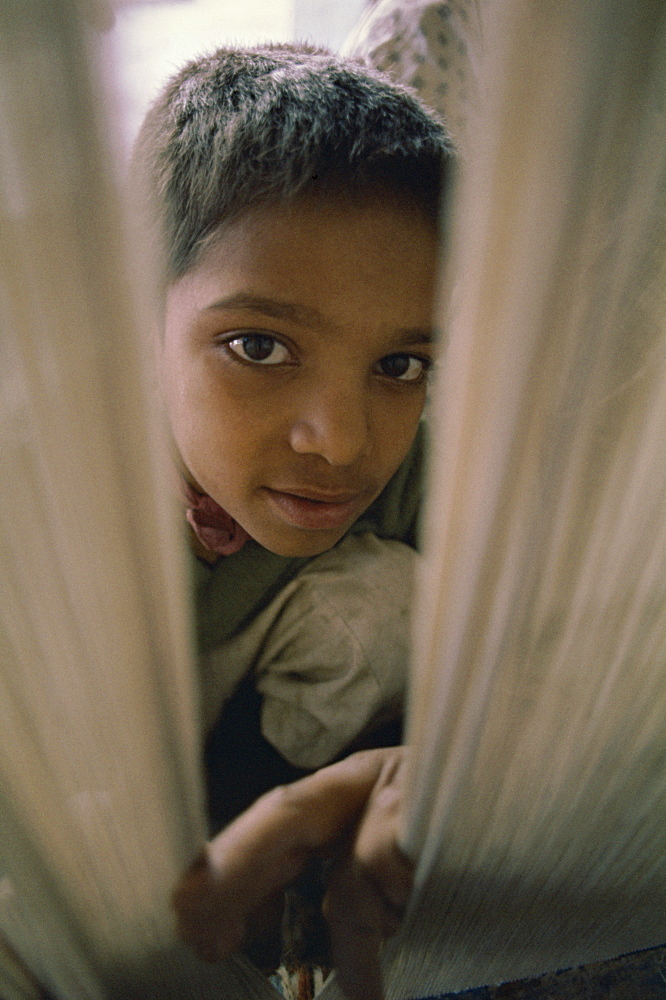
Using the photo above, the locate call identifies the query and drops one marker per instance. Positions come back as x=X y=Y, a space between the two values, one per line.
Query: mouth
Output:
x=317 y=510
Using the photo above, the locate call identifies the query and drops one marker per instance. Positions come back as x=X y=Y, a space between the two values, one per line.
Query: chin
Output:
x=301 y=545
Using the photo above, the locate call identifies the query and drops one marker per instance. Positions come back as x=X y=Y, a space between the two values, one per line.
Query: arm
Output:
x=348 y=811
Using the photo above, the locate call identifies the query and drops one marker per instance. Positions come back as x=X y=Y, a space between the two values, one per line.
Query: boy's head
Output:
x=297 y=197
x=241 y=127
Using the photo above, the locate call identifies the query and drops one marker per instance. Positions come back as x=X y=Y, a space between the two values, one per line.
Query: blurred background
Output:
x=150 y=39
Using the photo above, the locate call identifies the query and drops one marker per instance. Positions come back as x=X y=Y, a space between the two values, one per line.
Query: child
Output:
x=295 y=198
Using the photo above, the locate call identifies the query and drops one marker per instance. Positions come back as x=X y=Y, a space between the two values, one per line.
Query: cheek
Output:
x=222 y=434
x=195 y=397
x=397 y=423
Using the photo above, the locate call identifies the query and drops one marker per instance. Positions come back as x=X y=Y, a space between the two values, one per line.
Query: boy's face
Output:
x=294 y=363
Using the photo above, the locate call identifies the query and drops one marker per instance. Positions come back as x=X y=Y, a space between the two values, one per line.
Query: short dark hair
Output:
x=244 y=126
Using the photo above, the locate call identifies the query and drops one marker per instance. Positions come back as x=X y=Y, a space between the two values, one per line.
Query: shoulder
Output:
x=228 y=595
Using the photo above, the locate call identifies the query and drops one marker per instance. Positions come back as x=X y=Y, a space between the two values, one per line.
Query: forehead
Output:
x=333 y=256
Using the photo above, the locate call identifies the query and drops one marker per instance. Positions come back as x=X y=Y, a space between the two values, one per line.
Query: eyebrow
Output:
x=302 y=315
x=417 y=335
x=276 y=309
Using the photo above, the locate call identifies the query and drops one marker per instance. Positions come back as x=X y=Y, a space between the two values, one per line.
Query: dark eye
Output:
x=405 y=367
x=260 y=348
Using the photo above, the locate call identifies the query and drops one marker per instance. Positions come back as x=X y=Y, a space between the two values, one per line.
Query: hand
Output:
x=349 y=811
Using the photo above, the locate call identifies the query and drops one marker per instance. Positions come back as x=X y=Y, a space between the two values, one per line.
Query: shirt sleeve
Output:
x=330 y=653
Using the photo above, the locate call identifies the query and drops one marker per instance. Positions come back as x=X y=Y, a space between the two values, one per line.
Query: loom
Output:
x=536 y=799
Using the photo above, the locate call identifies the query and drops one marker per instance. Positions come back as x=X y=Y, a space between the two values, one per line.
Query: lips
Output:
x=321 y=496
x=317 y=510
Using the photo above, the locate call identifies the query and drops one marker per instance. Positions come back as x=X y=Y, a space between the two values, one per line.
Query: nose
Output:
x=332 y=422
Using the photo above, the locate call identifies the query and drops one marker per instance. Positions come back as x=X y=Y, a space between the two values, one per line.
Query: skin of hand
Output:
x=348 y=811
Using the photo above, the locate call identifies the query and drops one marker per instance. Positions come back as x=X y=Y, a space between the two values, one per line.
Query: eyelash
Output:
x=426 y=366
x=241 y=340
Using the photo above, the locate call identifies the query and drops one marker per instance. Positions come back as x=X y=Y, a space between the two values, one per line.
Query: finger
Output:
x=267 y=847
x=376 y=846
x=369 y=890
x=200 y=908
x=271 y=843
x=203 y=922
x=358 y=921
